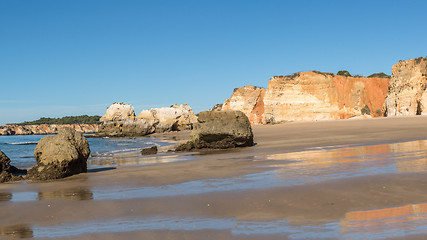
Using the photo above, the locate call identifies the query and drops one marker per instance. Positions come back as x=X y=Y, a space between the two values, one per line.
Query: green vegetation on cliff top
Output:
x=343 y=73
x=83 y=119
x=379 y=75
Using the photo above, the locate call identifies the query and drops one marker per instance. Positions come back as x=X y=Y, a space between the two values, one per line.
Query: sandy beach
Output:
x=344 y=179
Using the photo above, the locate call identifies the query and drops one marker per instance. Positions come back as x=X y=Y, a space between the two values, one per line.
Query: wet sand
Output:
x=351 y=179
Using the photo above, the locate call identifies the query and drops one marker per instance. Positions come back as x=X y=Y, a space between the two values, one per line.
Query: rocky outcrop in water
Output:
x=8 y=172
x=310 y=96
x=406 y=94
x=44 y=129
x=220 y=130
x=120 y=120
x=249 y=100
x=60 y=156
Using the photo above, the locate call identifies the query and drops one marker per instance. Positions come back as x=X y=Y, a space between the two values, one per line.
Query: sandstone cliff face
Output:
x=407 y=91
x=313 y=95
x=120 y=120
x=310 y=96
x=249 y=100
x=43 y=129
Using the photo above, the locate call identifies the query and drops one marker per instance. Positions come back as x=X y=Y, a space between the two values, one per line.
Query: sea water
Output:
x=20 y=148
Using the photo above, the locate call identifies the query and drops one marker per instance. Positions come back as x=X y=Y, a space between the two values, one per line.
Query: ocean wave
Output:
x=22 y=143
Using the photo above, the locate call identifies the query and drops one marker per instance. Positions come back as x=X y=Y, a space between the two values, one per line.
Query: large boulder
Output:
x=219 y=130
x=8 y=172
x=60 y=156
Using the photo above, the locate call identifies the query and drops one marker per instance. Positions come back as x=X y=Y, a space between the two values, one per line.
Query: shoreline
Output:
x=246 y=184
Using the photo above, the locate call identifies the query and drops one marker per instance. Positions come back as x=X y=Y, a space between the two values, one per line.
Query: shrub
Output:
x=365 y=110
x=379 y=75
x=83 y=119
x=344 y=73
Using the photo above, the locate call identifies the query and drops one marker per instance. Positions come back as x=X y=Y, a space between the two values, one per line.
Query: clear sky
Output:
x=74 y=57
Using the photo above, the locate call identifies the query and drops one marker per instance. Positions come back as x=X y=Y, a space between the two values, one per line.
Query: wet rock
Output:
x=8 y=172
x=149 y=151
x=60 y=156
x=220 y=130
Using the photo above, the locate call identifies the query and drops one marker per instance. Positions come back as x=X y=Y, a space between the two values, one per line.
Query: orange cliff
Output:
x=249 y=100
x=310 y=96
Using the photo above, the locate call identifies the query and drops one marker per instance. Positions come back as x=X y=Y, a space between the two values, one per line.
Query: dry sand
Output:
x=205 y=209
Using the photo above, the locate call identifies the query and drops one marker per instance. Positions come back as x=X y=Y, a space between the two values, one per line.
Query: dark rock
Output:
x=149 y=151
x=185 y=147
x=220 y=130
x=60 y=156
x=8 y=172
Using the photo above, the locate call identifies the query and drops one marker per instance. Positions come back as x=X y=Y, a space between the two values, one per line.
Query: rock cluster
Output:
x=174 y=118
x=406 y=94
x=44 y=129
x=60 y=156
x=220 y=130
x=8 y=172
x=310 y=96
x=120 y=120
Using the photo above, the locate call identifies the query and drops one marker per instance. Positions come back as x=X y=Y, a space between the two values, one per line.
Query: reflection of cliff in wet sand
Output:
x=380 y=219
x=349 y=161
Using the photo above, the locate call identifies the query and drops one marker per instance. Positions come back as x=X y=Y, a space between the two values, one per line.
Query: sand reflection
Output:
x=412 y=218
x=348 y=161
x=4 y=196
x=136 y=159
x=70 y=194
x=16 y=231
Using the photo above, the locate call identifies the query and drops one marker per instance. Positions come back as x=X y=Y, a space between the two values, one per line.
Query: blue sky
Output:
x=60 y=58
